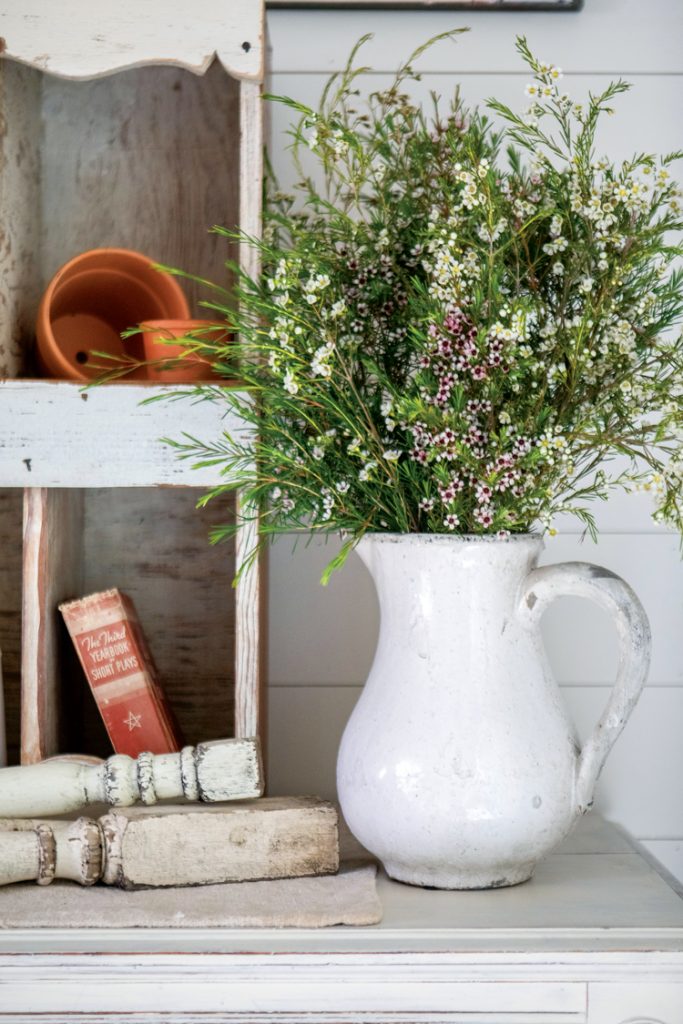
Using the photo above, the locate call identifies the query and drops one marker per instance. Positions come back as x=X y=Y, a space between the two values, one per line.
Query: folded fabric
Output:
x=348 y=898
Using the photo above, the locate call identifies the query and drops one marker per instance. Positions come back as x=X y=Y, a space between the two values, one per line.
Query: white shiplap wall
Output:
x=322 y=639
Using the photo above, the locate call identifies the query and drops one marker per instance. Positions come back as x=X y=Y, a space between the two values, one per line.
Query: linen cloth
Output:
x=348 y=898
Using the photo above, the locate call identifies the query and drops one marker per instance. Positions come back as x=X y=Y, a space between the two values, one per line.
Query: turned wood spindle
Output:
x=279 y=837
x=219 y=770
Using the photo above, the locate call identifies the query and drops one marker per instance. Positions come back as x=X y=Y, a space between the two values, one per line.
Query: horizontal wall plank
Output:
x=647 y=118
x=640 y=787
x=306 y=725
x=627 y=35
x=580 y=637
x=55 y=434
x=328 y=634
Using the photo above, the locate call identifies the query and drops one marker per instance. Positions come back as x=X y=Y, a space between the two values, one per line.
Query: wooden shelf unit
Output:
x=136 y=126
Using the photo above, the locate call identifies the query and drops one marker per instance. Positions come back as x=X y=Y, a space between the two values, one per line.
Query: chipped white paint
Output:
x=280 y=837
x=86 y=38
x=250 y=693
x=55 y=434
x=41 y=851
x=214 y=771
x=458 y=767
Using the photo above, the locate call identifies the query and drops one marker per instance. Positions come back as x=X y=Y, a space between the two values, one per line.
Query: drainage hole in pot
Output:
x=81 y=357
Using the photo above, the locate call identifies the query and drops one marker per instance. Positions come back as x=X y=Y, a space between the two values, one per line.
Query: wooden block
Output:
x=175 y=845
x=277 y=837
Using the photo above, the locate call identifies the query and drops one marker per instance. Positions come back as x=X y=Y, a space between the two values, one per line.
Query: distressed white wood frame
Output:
x=51 y=432
x=56 y=434
x=86 y=38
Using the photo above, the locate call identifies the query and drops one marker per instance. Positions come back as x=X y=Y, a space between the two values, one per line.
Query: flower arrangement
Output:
x=461 y=320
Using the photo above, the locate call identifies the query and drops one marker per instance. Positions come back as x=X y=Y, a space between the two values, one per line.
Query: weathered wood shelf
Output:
x=106 y=502
x=135 y=126
x=60 y=434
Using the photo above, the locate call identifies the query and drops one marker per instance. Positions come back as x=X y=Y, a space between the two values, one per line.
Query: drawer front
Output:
x=641 y=1003
x=216 y=999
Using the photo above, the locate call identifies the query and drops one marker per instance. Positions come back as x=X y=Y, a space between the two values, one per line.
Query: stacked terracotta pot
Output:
x=101 y=294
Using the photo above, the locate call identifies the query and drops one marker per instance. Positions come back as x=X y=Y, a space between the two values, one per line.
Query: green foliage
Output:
x=459 y=322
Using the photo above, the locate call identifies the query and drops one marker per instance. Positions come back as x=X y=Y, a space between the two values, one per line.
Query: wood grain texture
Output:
x=11 y=512
x=146 y=160
x=269 y=838
x=153 y=543
x=249 y=636
x=52 y=571
x=54 y=434
x=175 y=845
x=250 y=665
x=93 y=37
x=20 y=208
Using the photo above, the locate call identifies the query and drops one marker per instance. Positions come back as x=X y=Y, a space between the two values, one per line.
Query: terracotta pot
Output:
x=94 y=297
x=158 y=335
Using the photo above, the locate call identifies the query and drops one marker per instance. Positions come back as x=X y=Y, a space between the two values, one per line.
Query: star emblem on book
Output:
x=133 y=721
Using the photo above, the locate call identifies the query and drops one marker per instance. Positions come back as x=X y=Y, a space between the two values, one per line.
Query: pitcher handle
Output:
x=581 y=579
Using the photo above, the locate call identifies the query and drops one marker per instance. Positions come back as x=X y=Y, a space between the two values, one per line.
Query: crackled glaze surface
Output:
x=459 y=767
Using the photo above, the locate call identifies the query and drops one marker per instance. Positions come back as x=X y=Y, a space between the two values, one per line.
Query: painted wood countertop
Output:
x=595 y=937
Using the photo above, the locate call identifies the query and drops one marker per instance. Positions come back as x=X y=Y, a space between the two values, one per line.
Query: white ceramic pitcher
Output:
x=459 y=767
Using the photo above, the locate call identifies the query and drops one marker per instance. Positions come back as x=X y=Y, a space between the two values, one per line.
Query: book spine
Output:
x=121 y=673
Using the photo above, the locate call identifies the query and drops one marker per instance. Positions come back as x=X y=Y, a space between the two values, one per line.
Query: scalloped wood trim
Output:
x=91 y=38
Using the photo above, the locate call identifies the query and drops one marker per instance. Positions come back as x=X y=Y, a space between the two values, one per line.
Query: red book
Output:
x=115 y=657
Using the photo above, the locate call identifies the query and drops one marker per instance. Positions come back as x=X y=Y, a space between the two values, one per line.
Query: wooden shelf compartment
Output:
x=102 y=513
x=146 y=159
x=132 y=127
x=141 y=128
x=152 y=544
